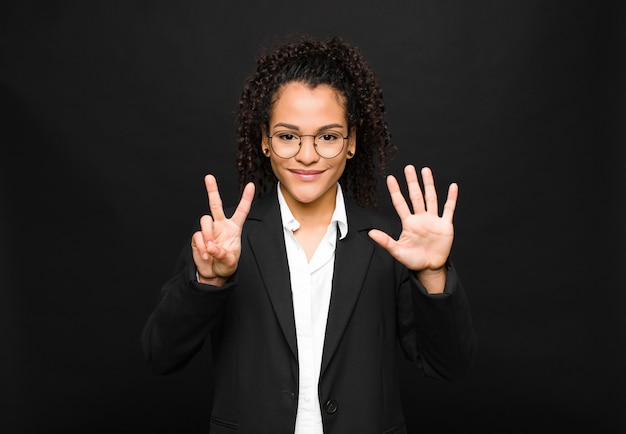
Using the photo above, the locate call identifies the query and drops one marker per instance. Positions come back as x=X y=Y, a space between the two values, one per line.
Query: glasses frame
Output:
x=300 y=144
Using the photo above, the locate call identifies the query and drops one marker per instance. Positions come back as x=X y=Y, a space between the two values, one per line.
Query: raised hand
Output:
x=426 y=239
x=217 y=245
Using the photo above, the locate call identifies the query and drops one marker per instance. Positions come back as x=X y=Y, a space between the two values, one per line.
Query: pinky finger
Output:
x=450 y=205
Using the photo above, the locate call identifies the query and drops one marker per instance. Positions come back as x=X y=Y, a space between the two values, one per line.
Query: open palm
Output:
x=426 y=238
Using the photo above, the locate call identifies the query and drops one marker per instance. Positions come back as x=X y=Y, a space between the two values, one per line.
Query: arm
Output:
x=192 y=301
x=434 y=319
x=438 y=333
x=186 y=313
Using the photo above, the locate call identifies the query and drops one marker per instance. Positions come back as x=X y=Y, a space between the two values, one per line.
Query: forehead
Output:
x=297 y=100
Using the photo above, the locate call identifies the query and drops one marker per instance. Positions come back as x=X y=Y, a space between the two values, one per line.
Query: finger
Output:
x=206 y=229
x=198 y=244
x=382 y=239
x=215 y=251
x=430 y=193
x=240 y=214
x=397 y=199
x=415 y=191
x=450 y=205
x=215 y=201
x=207 y=240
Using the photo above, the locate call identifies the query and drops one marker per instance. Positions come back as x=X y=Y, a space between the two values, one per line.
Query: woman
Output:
x=304 y=294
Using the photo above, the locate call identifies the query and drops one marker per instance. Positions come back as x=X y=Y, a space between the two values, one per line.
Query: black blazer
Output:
x=376 y=304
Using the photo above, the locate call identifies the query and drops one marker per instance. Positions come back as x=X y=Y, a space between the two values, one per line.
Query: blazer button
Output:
x=331 y=406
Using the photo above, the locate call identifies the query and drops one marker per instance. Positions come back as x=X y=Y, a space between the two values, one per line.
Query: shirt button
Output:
x=331 y=406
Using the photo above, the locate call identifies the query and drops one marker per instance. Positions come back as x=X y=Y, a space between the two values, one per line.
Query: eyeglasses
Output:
x=328 y=144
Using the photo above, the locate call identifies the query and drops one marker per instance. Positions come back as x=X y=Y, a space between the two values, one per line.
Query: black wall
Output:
x=114 y=111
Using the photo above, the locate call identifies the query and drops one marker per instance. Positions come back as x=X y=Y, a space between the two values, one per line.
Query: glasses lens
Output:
x=285 y=144
x=329 y=143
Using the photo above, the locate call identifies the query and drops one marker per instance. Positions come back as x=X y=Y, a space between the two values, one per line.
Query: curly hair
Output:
x=339 y=65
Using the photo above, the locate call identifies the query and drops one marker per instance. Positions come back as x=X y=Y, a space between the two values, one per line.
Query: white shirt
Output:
x=311 y=285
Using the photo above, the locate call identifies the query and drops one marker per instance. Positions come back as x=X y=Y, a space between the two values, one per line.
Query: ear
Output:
x=265 y=143
x=351 y=143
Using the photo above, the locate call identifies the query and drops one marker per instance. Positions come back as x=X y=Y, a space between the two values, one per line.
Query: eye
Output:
x=329 y=137
x=286 y=136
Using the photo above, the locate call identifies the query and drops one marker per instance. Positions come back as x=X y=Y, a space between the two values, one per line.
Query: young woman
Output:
x=304 y=294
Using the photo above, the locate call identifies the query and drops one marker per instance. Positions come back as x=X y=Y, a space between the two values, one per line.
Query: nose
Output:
x=307 y=153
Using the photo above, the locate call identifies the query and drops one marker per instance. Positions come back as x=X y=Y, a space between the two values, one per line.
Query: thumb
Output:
x=381 y=238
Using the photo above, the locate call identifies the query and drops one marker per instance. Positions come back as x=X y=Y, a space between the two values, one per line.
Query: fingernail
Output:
x=205 y=256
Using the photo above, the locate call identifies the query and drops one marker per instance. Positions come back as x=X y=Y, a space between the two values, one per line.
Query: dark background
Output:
x=114 y=111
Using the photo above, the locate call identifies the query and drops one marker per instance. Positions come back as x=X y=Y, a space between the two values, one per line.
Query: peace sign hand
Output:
x=426 y=239
x=216 y=246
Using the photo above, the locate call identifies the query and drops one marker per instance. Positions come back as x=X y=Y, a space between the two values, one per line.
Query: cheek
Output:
x=340 y=164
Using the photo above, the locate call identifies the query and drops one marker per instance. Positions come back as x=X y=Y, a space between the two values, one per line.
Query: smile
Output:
x=307 y=175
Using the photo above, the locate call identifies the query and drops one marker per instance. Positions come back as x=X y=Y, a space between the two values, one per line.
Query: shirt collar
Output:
x=339 y=215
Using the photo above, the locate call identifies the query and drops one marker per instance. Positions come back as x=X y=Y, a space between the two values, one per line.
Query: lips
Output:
x=306 y=175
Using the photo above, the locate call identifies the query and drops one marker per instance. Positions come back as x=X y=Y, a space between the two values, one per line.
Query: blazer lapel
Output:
x=267 y=244
x=352 y=257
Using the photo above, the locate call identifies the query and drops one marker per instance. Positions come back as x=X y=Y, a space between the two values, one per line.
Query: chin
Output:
x=307 y=195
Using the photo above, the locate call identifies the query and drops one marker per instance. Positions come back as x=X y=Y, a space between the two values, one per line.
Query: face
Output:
x=308 y=180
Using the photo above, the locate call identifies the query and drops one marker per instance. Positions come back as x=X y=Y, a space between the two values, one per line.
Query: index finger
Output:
x=215 y=201
x=397 y=199
x=240 y=214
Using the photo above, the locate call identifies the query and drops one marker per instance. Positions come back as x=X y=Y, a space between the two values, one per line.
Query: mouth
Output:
x=306 y=175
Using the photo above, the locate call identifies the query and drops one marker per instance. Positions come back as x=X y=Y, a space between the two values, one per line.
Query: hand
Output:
x=217 y=246
x=426 y=239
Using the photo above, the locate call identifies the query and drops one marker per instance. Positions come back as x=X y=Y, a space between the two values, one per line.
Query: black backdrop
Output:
x=114 y=111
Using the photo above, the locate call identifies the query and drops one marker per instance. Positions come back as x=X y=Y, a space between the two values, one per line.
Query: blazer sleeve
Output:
x=186 y=313
x=436 y=330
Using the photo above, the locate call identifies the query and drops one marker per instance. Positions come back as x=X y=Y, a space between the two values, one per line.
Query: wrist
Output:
x=213 y=281
x=430 y=272
x=433 y=280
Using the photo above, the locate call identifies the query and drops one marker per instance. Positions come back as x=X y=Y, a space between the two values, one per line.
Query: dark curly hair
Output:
x=341 y=66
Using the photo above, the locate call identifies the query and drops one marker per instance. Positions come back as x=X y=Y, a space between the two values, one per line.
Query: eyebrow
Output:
x=297 y=128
